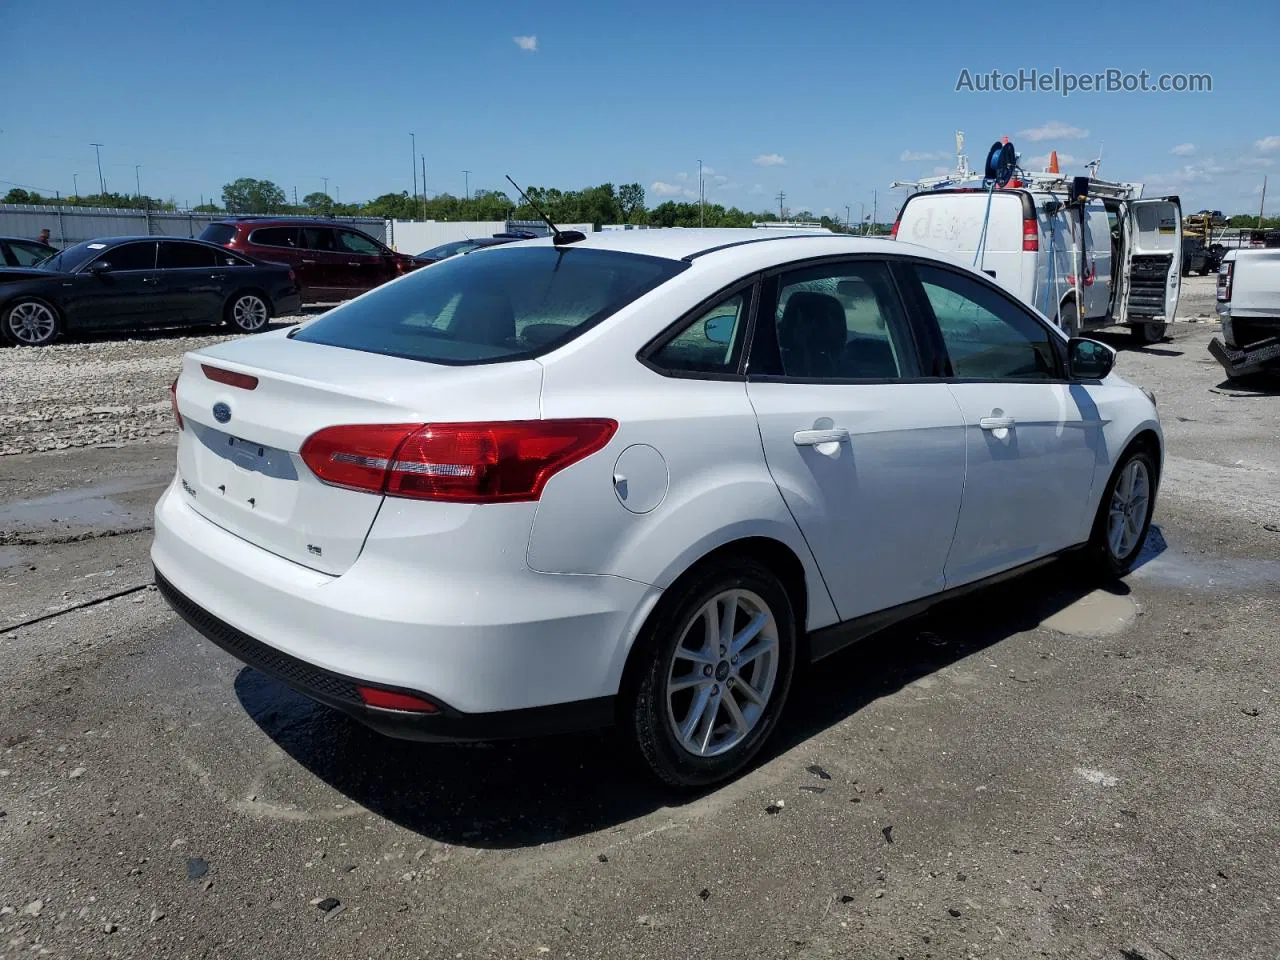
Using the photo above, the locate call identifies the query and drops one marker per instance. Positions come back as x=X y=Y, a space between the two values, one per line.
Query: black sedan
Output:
x=133 y=282
x=21 y=252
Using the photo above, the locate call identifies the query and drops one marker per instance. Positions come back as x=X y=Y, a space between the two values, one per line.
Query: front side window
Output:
x=131 y=256
x=841 y=321
x=986 y=336
x=711 y=342
x=515 y=303
x=358 y=243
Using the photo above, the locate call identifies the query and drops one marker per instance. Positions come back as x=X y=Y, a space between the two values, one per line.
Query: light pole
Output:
x=862 y=218
x=466 y=181
x=97 y=152
x=137 y=180
x=326 y=185
x=413 y=143
x=75 y=181
x=848 y=218
x=702 y=219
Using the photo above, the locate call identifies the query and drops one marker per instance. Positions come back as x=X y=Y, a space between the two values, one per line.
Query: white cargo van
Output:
x=1126 y=250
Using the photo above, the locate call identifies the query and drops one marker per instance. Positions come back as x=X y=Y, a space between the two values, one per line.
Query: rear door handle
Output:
x=812 y=438
x=217 y=276
x=351 y=264
x=996 y=423
x=308 y=261
x=150 y=279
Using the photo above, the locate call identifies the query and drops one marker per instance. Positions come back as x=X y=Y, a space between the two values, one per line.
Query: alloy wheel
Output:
x=249 y=313
x=722 y=673
x=32 y=323
x=1127 y=516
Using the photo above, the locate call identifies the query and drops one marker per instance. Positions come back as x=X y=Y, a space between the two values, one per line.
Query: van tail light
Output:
x=173 y=401
x=232 y=379
x=503 y=462
x=1225 y=274
x=1030 y=235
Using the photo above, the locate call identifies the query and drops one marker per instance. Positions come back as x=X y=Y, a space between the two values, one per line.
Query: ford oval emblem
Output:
x=221 y=412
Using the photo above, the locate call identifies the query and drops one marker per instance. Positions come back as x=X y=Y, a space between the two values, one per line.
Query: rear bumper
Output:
x=1256 y=358
x=495 y=642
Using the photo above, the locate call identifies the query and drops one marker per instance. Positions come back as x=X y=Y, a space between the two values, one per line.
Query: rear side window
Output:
x=512 y=304
x=275 y=237
x=712 y=343
x=178 y=256
x=219 y=233
x=318 y=238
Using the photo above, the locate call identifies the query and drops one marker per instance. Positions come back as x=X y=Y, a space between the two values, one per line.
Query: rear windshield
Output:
x=504 y=304
x=218 y=233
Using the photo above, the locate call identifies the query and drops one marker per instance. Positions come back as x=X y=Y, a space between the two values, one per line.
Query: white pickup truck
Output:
x=1249 y=305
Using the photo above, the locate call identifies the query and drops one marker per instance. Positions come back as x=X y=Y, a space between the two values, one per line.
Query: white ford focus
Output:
x=634 y=479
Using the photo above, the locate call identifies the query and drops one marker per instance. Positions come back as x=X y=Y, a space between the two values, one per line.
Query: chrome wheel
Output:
x=1127 y=516
x=722 y=673
x=32 y=323
x=249 y=313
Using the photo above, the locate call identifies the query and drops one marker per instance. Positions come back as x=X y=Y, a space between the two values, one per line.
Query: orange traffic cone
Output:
x=1053 y=162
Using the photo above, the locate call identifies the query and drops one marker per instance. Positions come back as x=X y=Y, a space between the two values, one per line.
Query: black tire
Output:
x=248 y=311
x=30 y=322
x=1069 y=319
x=1148 y=332
x=647 y=713
x=1101 y=558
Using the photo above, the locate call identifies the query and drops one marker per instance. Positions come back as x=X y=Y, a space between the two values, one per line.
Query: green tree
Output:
x=247 y=195
x=18 y=195
x=631 y=202
x=207 y=208
x=319 y=203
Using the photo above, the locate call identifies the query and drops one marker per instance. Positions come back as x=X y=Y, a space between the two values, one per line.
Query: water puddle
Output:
x=89 y=506
x=1163 y=565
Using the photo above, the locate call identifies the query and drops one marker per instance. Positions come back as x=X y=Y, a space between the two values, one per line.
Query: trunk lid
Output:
x=238 y=456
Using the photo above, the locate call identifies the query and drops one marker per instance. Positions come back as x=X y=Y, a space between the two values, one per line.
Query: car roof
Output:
x=266 y=221
x=680 y=243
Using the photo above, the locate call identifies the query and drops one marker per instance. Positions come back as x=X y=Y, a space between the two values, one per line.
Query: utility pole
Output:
x=702 y=218
x=875 y=206
x=326 y=185
x=137 y=180
x=862 y=218
x=1263 y=205
x=848 y=217
x=780 y=197
x=75 y=180
x=424 y=189
x=97 y=152
x=413 y=161
x=466 y=180
x=338 y=191
x=295 y=197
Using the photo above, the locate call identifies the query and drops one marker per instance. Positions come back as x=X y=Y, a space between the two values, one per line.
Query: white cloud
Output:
x=912 y=156
x=708 y=171
x=770 y=160
x=660 y=188
x=1183 y=150
x=1042 y=160
x=1268 y=144
x=1256 y=163
x=720 y=178
x=682 y=176
x=529 y=43
x=756 y=189
x=1053 y=130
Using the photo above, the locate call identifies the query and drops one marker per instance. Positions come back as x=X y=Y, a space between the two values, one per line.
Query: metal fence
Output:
x=68 y=225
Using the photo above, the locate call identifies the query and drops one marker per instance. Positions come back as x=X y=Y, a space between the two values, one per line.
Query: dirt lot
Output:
x=1040 y=771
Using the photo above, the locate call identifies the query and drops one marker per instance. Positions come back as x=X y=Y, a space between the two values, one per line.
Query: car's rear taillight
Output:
x=1225 y=273
x=394 y=700
x=503 y=462
x=293 y=277
x=893 y=231
x=232 y=379
x=1030 y=234
x=173 y=400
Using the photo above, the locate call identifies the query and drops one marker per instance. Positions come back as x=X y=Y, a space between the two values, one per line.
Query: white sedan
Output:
x=634 y=480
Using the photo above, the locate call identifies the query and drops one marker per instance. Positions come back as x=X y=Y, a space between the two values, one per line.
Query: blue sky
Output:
x=825 y=101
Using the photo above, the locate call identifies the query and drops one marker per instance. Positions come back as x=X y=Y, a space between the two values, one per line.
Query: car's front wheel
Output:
x=248 y=312
x=1124 y=515
x=1148 y=332
x=719 y=654
x=30 y=323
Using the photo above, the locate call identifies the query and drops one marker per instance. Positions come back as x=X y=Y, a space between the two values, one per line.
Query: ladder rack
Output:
x=1041 y=182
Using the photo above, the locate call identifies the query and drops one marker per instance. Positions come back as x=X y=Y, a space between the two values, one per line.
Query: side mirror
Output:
x=1089 y=359
x=99 y=266
x=719 y=329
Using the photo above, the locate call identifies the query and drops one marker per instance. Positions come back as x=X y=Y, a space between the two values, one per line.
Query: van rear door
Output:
x=1152 y=274
x=951 y=221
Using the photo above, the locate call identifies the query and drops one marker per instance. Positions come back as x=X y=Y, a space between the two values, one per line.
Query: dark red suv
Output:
x=333 y=261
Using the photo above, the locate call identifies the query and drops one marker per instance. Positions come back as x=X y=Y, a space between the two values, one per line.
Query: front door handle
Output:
x=355 y=264
x=812 y=438
x=150 y=279
x=308 y=261
x=217 y=276
x=996 y=423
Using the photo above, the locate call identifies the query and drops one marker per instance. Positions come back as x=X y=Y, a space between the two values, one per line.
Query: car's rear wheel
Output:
x=1069 y=319
x=30 y=323
x=719 y=655
x=1124 y=514
x=248 y=312
x=1148 y=332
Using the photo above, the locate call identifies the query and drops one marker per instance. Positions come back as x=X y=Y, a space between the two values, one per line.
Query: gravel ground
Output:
x=1043 y=771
